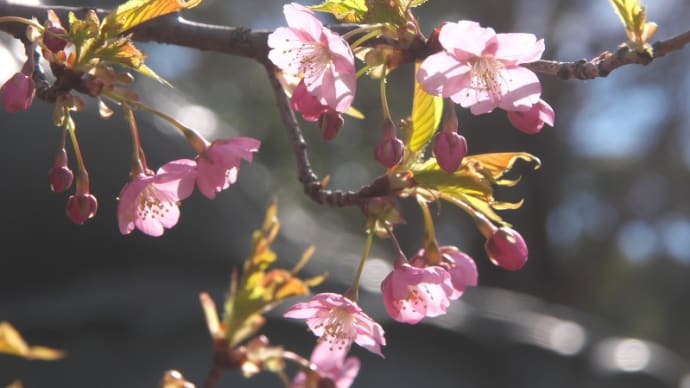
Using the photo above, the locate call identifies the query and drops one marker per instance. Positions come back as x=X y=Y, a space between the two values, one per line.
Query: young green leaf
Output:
x=427 y=111
x=135 y=12
x=350 y=11
x=634 y=17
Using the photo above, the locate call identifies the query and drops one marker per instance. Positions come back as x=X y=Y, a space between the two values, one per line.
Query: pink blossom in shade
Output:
x=150 y=202
x=303 y=102
x=532 y=121
x=18 y=93
x=219 y=164
x=332 y=367
x=339 y=321
x=323 y=58
x=507 y=249
x=461 y=267
x=411 y=293
x=480 y=69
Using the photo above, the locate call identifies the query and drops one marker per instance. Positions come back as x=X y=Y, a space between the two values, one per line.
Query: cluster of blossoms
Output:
x=472 y=66
x=150 y=201
x=475 y=68
x=480 y=70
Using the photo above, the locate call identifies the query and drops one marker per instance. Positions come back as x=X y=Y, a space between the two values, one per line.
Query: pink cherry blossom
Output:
x=460 y=266
x=150 y=202
x=339 y=321
x=411 y=293
x=480 y=69
x=532 y=121
x=323 y=58
x=331 y=366
x=219 y=164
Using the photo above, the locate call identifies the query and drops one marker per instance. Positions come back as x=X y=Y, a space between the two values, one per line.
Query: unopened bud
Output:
x=389 y=152
x=60 y=175
x=330 y=123
x=18 y=93
x=507 y=249
x=53 y=38
x=449 y=149
x=81 y=207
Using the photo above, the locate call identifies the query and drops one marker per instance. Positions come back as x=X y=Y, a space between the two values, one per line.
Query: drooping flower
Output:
x=532 y=121
x=150 y=202
x=323 y=58
x=18 y=93
x=339 y=321
x=480 y=69
x=411 y=293
x=460 y=266
x=219 y=164
x=506 y=248
x=332 y=369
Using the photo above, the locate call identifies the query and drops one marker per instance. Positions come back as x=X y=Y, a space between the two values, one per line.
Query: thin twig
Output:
x=312 y=185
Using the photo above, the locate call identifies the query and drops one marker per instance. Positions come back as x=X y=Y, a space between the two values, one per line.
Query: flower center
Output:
x=339 y=329
x=150 y=206
x=486 y=76
x=313 y=59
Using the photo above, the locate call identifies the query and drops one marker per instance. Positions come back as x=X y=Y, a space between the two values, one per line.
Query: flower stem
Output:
x=384 y=100
x=139 y=165
x=370 y=35
x=17 y=19
x=193 y=137
x=375 y=30
x=353 y=292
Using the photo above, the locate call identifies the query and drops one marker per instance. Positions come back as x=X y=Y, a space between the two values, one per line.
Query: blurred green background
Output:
x=602 y=301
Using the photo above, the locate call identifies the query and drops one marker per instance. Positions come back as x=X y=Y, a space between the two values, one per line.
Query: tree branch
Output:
x=245 y=42
x=607 y=62
x=312 y=185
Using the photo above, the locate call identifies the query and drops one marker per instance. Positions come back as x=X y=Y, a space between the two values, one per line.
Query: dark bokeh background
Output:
x=601 y=303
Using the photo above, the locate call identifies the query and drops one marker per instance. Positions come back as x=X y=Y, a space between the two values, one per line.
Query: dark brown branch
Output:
x=312 y=185
x=605 y=63
x=244 y=42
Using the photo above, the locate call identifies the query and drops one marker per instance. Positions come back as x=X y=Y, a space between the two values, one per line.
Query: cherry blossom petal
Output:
x=516 y=48
x=442 y=75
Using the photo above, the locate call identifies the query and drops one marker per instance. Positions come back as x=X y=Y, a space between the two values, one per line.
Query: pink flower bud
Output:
x=81 y=207
x=61 y=178
x=52 y=38
x=449 y=149
x=18 y=93
x=330 y=123
x=389 y=152
x=60 y=175
x=532 y=121
x=506 y=248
